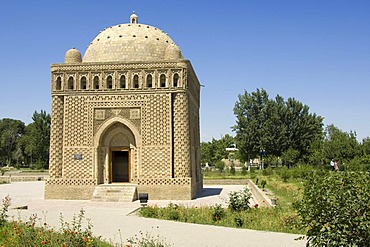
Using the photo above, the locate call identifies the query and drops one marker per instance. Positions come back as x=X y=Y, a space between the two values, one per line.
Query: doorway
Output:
x=120 y=166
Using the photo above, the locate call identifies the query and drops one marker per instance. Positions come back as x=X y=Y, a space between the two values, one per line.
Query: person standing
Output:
x=332 y=164
x=336 y=168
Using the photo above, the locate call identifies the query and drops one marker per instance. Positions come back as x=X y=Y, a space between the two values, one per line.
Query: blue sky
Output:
x=315 y=51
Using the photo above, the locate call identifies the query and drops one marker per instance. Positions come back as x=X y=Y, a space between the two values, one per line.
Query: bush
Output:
x=244 y=170
x=239 y=200
x=263 y=184
x=268 y=171
x=172 y=212
x=232 y=169
x=220 y=165
x=334 y=209
x=147 y=240
x=4 y=210
x=149 y=212
x=360 y=163
x=218 y=212
x=301 y=171
x=238 y=221
x=284 y=173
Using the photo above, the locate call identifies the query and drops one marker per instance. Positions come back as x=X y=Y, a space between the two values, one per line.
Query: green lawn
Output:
x=281 y=218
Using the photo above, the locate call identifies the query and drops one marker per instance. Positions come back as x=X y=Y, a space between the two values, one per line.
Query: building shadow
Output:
x=210 y=192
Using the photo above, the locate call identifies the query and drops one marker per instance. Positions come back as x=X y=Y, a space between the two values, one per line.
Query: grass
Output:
x=265 y=219
x=214 y=174
x=281 y=218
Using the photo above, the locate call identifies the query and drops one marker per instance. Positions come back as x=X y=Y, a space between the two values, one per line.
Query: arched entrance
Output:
x=120 y=162
x=116 y=146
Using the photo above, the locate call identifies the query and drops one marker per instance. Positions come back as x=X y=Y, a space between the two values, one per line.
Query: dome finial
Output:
x=133 y=18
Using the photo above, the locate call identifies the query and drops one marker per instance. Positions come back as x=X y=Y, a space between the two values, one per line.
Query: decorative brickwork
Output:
x=181 y=136
x=56 y=138
x=134 y=120
x=157 y=121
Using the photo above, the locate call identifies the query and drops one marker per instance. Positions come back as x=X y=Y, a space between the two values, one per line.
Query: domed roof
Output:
x=73 y=56
x=131 y=42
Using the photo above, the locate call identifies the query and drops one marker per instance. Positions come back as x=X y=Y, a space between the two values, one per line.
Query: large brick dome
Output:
x=132 y=42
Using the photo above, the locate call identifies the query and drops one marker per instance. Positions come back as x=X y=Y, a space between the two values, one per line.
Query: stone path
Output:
x=114 y=222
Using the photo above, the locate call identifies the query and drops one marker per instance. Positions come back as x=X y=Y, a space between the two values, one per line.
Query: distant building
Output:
x=125 y=116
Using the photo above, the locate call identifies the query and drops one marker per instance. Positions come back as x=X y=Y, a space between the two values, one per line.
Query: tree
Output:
x=214 y=151
x=365 y=146
x=10 y=132
x=274 y=125
x=36 y=140
x=339 y=144
x=250 y=125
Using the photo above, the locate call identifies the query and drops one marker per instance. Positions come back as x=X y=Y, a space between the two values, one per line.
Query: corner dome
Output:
x=73 y=56
x=131 y=42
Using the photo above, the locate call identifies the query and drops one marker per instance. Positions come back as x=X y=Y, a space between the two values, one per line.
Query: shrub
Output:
x=239 y=200
x=238 y=221
x=172 y=212
x=244 y=170
x=268 y=171
x=220 y=165
x=4 y=210
x=232 y=169
x=301 y=171
x=284 y=173
x=218 y=212
x=147 y=240
x=334 y=209
x=263 y=184
x=361 y=163
x=149 y=212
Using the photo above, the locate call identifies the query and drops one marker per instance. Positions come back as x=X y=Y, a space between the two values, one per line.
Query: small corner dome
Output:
x=173 y=52
x=73 y=56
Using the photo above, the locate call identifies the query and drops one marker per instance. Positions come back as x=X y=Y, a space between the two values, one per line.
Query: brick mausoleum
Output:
x=126 y=115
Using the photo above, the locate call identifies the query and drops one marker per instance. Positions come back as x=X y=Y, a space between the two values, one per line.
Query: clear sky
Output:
x=313 y=50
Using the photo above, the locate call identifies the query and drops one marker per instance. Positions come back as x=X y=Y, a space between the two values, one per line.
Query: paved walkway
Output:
x=113 y=221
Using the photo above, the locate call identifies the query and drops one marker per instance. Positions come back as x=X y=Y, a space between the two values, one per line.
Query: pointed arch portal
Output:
x=116 y=143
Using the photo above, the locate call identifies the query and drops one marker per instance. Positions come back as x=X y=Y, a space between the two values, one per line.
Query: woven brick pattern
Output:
x=56 y=137
x=156 y=162
x=157 y=121
x=181 y=136
x=76 y=124
x=77 y=168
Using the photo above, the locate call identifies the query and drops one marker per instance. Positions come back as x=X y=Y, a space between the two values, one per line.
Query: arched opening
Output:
x=149 y=81
x=117 y=147
x=122 y=82
x=136 y=81
x=109 y=82
x=83 y=84
x=70 y=83
x=58 y=85
x=162 y=80
x=175 y=80
x=96 y=82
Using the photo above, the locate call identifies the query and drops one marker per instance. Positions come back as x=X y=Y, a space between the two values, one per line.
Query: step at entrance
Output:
x=115 y=193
